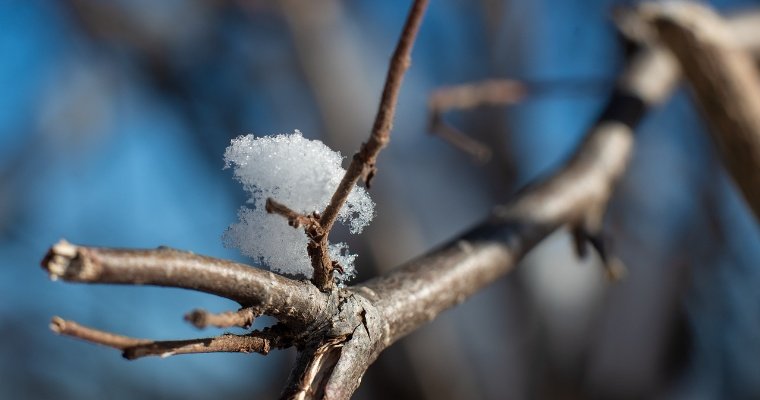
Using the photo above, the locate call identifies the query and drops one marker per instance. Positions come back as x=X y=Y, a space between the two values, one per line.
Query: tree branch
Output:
x=418 y=291
x=363 y=163
x=391 y=306
x=272 y=294
x=132 y=348
x=724 y=83
x=341 y=332
x=353 y=326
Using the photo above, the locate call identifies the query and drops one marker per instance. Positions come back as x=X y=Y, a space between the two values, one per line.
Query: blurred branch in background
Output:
x=465 y=97
x=725 y=83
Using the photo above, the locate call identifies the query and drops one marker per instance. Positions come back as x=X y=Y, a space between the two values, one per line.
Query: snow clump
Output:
x=301 y=174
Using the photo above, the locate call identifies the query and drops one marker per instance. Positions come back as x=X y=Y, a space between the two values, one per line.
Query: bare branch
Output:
x=363 y=162
x=272 y=294
x=418 y=291
x=132 y=348
x=242 y=318
x=71 y=328
x=724 y=82
x=391 y=306
x=342 y=332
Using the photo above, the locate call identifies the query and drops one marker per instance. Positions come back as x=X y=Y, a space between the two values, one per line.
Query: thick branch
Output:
x=724 y=82
x=418 y=291
x=272 y=294
x=132 y=348
x=391 y=306
x=363 y=162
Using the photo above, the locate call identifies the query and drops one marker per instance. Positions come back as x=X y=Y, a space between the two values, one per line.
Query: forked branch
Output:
x=353 y=326
x=341 y=332
x=363 y=162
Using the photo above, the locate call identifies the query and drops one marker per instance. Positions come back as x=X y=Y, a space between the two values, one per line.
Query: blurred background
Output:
x=114 y=117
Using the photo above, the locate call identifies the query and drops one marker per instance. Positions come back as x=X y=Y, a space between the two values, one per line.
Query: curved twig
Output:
x=132 y=348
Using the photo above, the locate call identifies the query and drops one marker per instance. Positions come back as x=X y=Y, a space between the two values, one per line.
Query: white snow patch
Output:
x=301 y=174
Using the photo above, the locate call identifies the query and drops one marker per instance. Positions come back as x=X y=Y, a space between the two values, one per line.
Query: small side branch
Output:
x=73 y=329
x=242 y=318
x=468 y=96
x=132 y=348
x=295 y=219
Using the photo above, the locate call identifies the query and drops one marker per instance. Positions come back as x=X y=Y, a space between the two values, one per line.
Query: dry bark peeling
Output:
x=339 y=332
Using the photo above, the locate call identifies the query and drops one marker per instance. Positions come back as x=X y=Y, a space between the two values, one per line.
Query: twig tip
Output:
x=58 y=258
x=57 y=325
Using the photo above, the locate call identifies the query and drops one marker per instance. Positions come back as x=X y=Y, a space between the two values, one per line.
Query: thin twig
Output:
x=132 y=348
x=73 y=329
x=363 y=163
x=242 y=318
x=474 y=148
x=295 y=219
x=465 y=97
